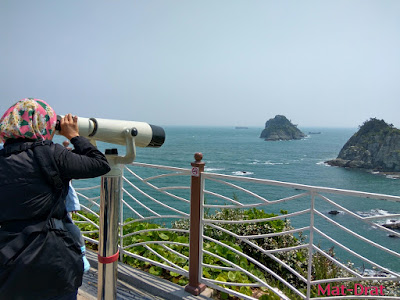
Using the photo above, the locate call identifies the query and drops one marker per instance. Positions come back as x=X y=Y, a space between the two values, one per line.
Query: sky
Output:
x=329 y=63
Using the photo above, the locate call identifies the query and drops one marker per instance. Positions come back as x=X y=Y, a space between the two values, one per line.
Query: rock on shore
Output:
x=280 y=128
x=375 y=146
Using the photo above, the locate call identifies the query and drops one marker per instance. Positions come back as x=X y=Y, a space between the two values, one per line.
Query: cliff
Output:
x=375 y=146
x=280 y=128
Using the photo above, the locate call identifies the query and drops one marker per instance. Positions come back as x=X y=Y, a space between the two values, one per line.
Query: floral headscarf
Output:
x=28 y=118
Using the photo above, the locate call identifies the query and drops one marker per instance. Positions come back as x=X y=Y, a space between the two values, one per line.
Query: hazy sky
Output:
x=218 y=62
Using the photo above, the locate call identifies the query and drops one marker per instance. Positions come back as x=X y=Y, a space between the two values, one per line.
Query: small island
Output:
x=375 y=146
x=281 y=129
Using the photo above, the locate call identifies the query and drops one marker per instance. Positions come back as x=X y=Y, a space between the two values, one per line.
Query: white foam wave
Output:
x=273 y=163
x=389 y=176
x=242 y=173
x=213 y=169
x=373 y=213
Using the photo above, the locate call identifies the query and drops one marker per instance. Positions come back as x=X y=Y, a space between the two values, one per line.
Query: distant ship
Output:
x=241 y=127
x=314 y=132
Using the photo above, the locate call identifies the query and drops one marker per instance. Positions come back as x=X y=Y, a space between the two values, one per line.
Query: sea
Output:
x=241 y=152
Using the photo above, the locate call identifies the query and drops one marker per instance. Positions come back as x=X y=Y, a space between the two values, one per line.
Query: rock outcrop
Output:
x=375 y=146
x=280 y=128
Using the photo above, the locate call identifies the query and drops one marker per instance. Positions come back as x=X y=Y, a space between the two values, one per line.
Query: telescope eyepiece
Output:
x=58 y=123
x=95 y=126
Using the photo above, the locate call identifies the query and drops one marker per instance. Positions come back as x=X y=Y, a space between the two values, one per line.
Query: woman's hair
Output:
x=28 y=118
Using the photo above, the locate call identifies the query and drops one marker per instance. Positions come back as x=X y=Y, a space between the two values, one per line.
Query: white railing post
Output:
x=121 y=227
x=310 y=245
x=201 y=235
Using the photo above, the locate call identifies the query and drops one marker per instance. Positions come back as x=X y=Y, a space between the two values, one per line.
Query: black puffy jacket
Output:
x=44 y=270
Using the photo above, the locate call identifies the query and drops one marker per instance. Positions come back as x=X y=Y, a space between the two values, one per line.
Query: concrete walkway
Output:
x=134 y=284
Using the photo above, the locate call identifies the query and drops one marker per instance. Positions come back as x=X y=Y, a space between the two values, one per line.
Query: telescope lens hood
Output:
x=158 y=137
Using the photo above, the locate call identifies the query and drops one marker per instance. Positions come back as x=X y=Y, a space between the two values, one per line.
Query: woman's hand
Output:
x=69 y=126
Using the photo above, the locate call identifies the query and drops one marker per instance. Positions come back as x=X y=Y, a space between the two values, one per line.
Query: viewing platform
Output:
x=248 y=237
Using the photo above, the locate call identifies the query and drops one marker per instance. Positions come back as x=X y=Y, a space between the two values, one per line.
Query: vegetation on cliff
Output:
x=280 y=128
x=174 y=246
x=375 y=146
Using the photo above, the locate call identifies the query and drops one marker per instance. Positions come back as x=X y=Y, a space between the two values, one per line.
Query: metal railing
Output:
x=166 y=195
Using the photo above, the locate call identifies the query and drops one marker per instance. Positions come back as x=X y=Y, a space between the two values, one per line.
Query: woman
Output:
x=39 y=259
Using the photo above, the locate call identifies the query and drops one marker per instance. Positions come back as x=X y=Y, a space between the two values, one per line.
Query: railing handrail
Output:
x=311 y=188
x=318 y=189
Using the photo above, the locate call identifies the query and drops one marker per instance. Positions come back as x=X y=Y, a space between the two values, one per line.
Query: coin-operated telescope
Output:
x=128 y=133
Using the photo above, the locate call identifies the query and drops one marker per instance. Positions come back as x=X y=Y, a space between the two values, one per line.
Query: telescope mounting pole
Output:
x=110 y=196
x=110 y=205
